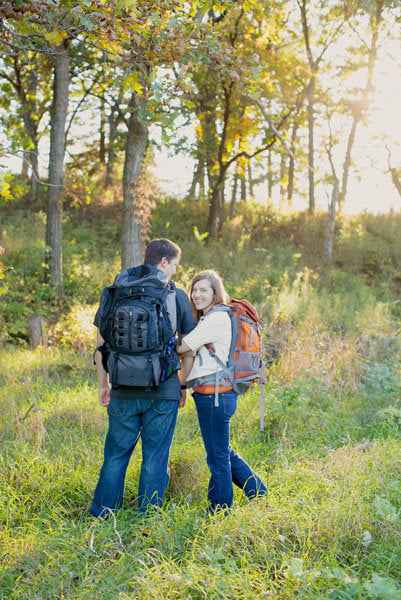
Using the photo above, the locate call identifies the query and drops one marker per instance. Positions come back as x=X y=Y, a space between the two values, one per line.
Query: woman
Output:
x=214 y=327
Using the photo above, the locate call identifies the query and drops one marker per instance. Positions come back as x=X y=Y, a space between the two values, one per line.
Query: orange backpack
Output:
x=244 y=358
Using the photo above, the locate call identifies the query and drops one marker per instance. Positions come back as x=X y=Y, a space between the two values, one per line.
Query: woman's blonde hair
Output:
x=220 y=295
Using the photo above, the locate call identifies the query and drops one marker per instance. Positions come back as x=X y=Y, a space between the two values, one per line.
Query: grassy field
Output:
x=330 y=526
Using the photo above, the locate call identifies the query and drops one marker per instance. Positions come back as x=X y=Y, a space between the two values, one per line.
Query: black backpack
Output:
x=138 y=319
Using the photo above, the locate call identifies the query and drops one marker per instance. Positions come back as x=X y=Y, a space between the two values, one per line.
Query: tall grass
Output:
x=330 y=525
x=330 y=451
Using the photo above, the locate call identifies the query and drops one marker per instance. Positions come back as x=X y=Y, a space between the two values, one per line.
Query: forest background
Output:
x=279 y=106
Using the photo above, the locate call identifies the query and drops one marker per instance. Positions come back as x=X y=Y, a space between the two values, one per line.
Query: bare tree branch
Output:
x=274 y=129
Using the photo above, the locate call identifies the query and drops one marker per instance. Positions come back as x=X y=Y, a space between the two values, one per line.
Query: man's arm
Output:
x=187 y=325
x=187 y=360
x=102 y=376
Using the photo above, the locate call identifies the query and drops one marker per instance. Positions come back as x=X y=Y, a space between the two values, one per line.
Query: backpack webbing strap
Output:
x=179 y=332
x=104 y=353
x=262 y=398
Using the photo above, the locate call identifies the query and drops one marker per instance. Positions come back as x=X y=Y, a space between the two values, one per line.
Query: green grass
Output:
x=330 y=527
x=332 y=463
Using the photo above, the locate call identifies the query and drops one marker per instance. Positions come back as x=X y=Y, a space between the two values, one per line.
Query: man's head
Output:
x=163 y=254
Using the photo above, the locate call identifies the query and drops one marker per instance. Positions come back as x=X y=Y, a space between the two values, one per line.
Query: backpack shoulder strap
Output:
x=171 y=305
x=218 y=308
x=178 y=312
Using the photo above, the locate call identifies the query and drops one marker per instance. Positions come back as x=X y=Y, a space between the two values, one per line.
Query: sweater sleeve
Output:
x=209 y=330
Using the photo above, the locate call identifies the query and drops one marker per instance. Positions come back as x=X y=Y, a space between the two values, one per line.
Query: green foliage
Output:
x=2 y=288
x=330 y=450
x=330 y=528
x=5 y=191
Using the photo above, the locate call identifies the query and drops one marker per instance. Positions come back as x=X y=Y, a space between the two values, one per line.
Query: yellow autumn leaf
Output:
x=55 y=37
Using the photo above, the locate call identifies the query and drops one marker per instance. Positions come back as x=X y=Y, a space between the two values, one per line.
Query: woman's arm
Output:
x=183 y=348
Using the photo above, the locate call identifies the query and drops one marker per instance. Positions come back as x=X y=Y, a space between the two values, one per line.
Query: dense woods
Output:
x=278 y=105
x=274 y=91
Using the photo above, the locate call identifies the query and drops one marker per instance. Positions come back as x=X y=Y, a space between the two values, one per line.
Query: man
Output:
x=142 y=412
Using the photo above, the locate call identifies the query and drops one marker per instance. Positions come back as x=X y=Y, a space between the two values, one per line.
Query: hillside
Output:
x=330 y=449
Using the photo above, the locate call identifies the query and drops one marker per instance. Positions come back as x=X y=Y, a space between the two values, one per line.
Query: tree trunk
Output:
x=234 y=195
x=27 y=93
x=242 y=184
x=197 y=180
x=375 y=21
x=36 y=331
x=282 y=177
x=222 y=208
x=331 y=218
x=310 y=95
x=33 y=159
x=56 y=162
x=212 y=225
x=113 y=120
x=269 y=177
x=32 y=129
x=216 y=206
x=135 y=150
x=347 y=160
x=25 y=165
x=311 y=159
x=250 y=181
x=102 y=140
x=202 y=190
x=215 y=162
x=291 y=166
x=395 y=178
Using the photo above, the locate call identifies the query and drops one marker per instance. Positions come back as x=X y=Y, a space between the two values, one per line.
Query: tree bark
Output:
x=330 y=223
x=198 y=180
x=310 y=96
x=282 y=177
x=234 y=195
x=291 y=166
x=135 y=150
x=36 y=331
x=211 y=151
x=102 y=137
x=113 y=120
x=212 y=226
x=250 y=181
x=222 y=208
x=363 y=101
x=395 y=178
x=311 y=151
x=26 y=88
x=25 y=165
x=270 y=181
x=56 y=163
x=242 y=184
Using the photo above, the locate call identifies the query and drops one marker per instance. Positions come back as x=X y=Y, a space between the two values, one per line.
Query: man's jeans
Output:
x=226 y=466
x=154 y=421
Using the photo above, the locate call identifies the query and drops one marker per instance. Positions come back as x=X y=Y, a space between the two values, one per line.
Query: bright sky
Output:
x=370 y=189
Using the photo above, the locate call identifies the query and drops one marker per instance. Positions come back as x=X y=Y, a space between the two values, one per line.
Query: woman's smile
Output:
x=203 y=295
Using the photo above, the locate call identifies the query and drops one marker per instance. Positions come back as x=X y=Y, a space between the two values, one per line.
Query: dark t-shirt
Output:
x=170 y=389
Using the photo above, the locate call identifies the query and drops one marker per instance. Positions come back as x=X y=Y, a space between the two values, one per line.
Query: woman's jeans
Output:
x=226 y=466
x=154 y=421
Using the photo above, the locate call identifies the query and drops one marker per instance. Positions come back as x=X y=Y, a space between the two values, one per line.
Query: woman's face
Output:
x=202 y=295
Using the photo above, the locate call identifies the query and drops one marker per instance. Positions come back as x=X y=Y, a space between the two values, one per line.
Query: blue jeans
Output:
x=154 y=421
x=226 y=466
